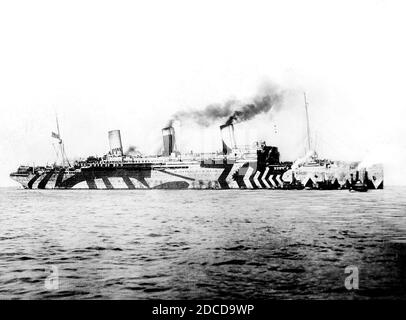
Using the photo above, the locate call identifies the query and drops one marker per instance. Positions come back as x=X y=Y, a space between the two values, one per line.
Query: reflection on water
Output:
x=237 y=244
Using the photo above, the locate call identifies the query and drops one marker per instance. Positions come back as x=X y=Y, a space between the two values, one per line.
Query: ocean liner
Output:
x=234 y=167
x=255 y=167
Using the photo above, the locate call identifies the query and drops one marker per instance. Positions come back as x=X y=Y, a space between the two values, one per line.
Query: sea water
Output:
x=229 y=244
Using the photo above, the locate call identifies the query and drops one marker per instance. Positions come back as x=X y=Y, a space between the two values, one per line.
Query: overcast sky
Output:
x=130 y=65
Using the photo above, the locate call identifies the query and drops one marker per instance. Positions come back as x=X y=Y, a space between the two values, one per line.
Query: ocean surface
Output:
x=229 y=244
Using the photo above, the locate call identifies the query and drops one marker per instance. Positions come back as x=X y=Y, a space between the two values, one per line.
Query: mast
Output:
x=61 y=144
x=307 y=122
x=60 y=141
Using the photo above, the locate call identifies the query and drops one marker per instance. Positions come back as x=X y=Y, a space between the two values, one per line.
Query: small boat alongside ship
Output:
x=359 y=187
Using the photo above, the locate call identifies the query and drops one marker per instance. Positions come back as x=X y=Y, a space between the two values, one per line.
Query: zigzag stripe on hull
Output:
x=244 y=175
x=264 y=178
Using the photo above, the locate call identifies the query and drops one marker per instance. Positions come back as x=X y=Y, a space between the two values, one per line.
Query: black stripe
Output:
x=222 y=179
x=267 y=179
x=240 y=174
x=44 y=181
x=59 y=178
x=251 y=179
x=91 y=184
x=261 y=174
x=277 y=181
x=173 y=185
x=240 y=181
x=107 y=182
x=143 y=181
x=31 y=182
x=128 y=182
x=309 y=183
x=278 y=185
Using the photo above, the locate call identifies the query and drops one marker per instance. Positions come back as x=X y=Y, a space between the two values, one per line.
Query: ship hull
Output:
x=205 y=175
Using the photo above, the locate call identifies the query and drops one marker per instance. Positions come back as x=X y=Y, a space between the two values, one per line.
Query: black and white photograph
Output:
x=181 y=151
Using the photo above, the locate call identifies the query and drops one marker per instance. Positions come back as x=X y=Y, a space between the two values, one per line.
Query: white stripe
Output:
x=100 y=184
x=278 y=178
x=81 y=185
x=272 y=181
x=246 y=177
x=377 y=182
x=263 y=178
x=306 y=180
x=53 y=185
x=232 y=184
x=139 y=185
x=256 y=179
x=118 y=183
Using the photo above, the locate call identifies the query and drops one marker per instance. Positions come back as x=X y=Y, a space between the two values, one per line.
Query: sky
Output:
x=130 y=65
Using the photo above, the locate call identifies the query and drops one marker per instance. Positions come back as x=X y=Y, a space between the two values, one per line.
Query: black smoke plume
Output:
x=269 y=97
x=132 y=151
